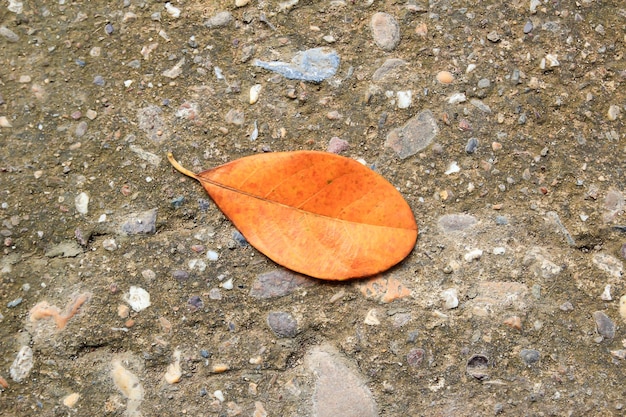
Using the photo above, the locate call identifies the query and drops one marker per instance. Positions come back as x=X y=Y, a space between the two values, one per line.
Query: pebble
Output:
x=219 y=20
x=529 y=356
x=371 y=318
x=172 y=11
x=255 y=90
x=109 y=244
x=99 y=80
x=472 y=145
x=480 y=105
x=140 y=223
x=282 y=324
x=457 y=98
x=415 y=357
x=339 y=389
x=235 y=117
x=71 y=400
x=22 y=365
x=174 y=372
x=82 y=203
x=8 y=34
x=493 y=36
x=4 y=122
x=180 y=275
x=212 y=255
x=609 y=264
x=337 y=145
x=415 y=135
x=278 y=283
x=453 y=168
x=385 y=31
x=514 y=322
x=384 y=289
x=129 y=385
x=445 y=77
x=450 y=298
x=613 y=112
x=484 y=83
x=606 y=294
x=528 y=27
x=137 y=298
x=452 y=223
x=404 y=99
x=175 y=71
x=314 y=65
x=604 y=325
x=152 y=159
x=14 y=303
x=390 y=67
x=473 y=255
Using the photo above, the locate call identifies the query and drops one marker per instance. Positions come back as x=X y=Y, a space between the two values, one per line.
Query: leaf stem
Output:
x=179 y=167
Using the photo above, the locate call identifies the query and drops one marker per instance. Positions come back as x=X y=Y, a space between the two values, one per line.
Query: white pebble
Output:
x=228 y=284
x=371 y=319
x=255 y=90
x=606 y=294
x=470 y=68
x=457 y=98
x=212 y=255
x=137 y=298
x=613 y=112
x=174 y=373
x=473 y=255
x=404 y=99
x=128 y=83
x=4 y=122
x=22 y=364
x=450 y=298
x=499 y=250
x=219 y=395
x=173 y=11
x=82 y=203
x=70 y=400
x=102 y=218
x=109 y=244
x=453 y=168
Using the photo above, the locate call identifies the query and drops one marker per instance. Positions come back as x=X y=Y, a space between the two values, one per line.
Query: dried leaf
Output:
x=316 y=213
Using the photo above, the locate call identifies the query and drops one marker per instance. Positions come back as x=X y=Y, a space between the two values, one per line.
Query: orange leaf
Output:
x=316 y=213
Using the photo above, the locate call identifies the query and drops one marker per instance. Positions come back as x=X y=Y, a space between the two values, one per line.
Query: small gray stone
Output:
x=415 y=135
x=604 y=325
x=278 y=283
x=493 y=36
x=484 y=83
x=220 y=19
x=529 y=356
x=451 y=223
x=528 y=27
x=472 y=145
x=140 y=223
x=283 y=324
x=8 y=34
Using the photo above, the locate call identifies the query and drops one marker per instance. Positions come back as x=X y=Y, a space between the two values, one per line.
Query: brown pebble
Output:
x=421 y=30
x=129 y=323
x=514 y=322
x=496 y=146
x=219 y=368
x=3 y=383
x=445 y=77
x=123 y=311
x=497 y=206
x=125 y=190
